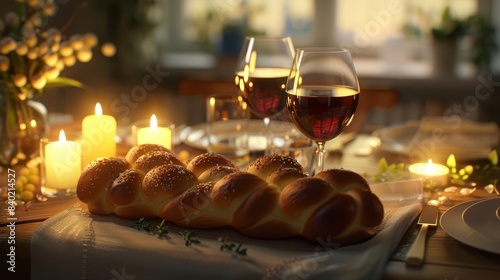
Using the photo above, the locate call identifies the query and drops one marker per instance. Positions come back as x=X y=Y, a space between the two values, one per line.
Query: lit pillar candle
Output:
x=98 y=132
x=63 y=163
x=430 y=171
x=155 y=134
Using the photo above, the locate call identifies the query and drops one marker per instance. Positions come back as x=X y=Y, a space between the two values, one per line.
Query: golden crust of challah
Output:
x=273 y=198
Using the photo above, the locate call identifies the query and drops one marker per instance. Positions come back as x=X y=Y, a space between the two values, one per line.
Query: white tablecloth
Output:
x=77 y=245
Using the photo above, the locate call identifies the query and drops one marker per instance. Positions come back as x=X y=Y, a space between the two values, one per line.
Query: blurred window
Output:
x=206 y=24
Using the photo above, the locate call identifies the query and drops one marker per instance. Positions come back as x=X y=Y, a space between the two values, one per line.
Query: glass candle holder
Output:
x=153 y=131
x=432 y=174
x=61 y=164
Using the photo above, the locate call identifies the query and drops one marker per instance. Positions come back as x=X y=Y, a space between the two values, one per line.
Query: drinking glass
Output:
x=227 y=129
x=322 y=94
x=261 y=73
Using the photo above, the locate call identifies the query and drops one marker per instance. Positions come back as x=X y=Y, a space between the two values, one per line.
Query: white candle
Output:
x=98 y=133
x=155 y=134
x=430 y=171
x=63 y=163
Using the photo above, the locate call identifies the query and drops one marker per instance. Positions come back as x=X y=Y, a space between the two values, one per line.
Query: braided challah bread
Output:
x=273 y=198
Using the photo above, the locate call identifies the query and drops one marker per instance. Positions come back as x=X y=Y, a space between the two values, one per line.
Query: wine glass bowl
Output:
x=322 y=94
x=261 y=74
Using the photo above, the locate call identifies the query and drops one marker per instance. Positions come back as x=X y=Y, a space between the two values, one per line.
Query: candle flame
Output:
x=98 y=109
x=429 y=166
x=62 y=136
x=153 y=123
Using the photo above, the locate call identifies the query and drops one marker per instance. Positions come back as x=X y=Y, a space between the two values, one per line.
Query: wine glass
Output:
x=322 y=94
x=261 y=73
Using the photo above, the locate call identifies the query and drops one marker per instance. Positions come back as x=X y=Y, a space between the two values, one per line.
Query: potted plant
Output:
x=445 y=38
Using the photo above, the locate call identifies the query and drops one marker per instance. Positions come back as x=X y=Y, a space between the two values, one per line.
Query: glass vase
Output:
x=21 y=127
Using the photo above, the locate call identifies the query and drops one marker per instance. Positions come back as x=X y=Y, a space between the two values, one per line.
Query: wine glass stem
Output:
x=320 y=156
x=267 y=122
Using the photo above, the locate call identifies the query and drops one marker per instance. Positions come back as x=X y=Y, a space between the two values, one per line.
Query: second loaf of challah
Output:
x=273 y=198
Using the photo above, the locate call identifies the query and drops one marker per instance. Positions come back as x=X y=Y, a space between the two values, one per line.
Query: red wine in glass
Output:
x=263 y=90
x=322 y=113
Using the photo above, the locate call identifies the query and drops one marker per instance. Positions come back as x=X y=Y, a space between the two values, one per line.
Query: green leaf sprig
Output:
x=190 y=237
x=469 y=173
x=389 y=172
x=489 y=170
x=160 y=230
x=143 y=224
x=458 y=176
x=227 y=245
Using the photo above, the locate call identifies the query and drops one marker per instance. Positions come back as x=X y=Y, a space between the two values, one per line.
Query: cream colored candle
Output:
x=98 y=133
x=430 y=171
x=155 y=134
x=62 y=163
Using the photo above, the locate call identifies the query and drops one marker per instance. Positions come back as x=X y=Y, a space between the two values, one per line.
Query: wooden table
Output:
x=446 y=258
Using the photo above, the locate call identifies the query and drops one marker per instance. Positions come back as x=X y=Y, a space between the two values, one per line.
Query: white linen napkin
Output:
x=438 y=137
x=77 y=245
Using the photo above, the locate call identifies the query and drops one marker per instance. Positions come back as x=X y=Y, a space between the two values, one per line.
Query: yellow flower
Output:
x=51 y=73
x=4 y=63
x=54 y=47
x=43 y=48
x=50 y=59
x=31 y=40
x=19 y=80
x=84 y=55
x=69 y=61
x=108 y=49
x=22 y=49
x=32 y=54
x=38 y=81
x=52 y=34
x=90 y=40
x=7 y=44
x=60 y=65
x=65 y=49
x=49 y=9
x=76 y=42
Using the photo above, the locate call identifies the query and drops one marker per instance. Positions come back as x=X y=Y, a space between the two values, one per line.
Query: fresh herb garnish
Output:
x=226 y=245
x=190 y=237
x=142 y=224
x=160 y=230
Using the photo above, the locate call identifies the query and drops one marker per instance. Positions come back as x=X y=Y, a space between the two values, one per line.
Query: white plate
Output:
x=482 y=217
x=398 y=139
x=196 y=137
x=452 y=223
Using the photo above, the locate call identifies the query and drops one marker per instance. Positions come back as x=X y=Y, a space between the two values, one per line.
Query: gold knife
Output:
x=428 y=217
